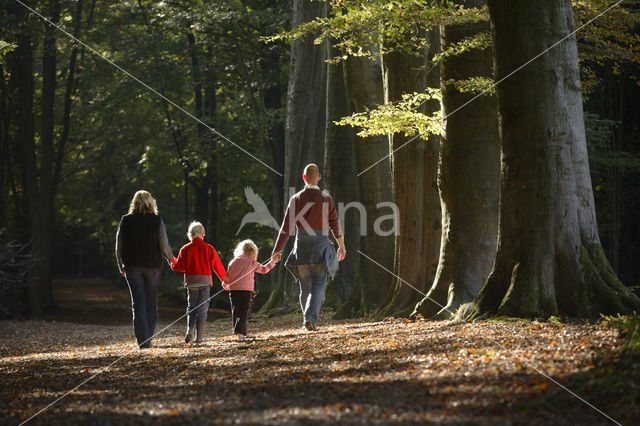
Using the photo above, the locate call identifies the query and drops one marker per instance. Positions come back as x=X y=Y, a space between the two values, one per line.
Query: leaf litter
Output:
x=351 y=372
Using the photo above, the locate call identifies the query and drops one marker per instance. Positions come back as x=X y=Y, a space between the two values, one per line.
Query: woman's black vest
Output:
x=140 y=237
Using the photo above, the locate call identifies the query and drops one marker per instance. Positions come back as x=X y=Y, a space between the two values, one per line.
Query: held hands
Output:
x=275 y=257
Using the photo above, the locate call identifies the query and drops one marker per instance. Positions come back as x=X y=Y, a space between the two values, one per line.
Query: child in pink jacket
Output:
x=240 y=281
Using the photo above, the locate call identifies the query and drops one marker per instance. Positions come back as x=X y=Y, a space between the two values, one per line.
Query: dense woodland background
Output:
x=78 y=137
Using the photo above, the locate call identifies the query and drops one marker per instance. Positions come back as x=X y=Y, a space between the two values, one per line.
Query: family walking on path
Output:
x=142 y=243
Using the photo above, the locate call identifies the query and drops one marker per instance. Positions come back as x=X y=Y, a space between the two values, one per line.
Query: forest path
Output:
x=99 y=301
x=349 y=372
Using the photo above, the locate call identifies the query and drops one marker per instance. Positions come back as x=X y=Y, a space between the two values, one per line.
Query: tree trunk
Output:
x=69 y=91
x=340 y=173
x=201 y=184
x=549 y=257
x=272 y=100
x=615 y=193
x=305 y=119
x=4 y=147
x=47 y=119
x=363 y=81
x=39 y=287
x=274 y=133
x=210 y=109
x=414 y=172
x=468 y=179
x=305 y=123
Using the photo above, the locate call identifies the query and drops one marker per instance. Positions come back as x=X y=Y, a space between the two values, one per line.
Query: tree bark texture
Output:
x=39 y=287
x=340 y=174
x=305 y=120
x=304 y=124
x=201 y=184
x=69 y=91
x=468 y=179
x=363 y=80
x=414 y=177
x=549 y=257
x=5 y=114
x=272 y=100
x=210 y=112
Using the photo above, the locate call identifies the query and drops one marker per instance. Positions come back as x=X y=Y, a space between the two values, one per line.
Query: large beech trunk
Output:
x=363 y=79
x=304 y=125
x=414 y=173
x=468 y=179
x=305 y=121
x=340 y=176
x=549 y=257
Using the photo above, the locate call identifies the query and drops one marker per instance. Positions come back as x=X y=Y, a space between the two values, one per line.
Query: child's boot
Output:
x=191 y=330
x=200 y=337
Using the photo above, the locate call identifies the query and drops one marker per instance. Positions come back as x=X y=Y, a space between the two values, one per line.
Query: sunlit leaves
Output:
x=611 y=38
x=401 y=117
x=374 y=27
x=475 y=85
x=6 y=48
x=478 y=41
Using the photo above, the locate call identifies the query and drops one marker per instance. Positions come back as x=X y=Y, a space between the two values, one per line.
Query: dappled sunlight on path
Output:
x=352 y=372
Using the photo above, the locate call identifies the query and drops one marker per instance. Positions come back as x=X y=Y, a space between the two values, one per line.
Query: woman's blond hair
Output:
x=195 y=230
x=143 y=203
x=246 y=247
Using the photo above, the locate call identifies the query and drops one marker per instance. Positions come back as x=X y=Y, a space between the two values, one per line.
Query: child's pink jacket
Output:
x=241 y=273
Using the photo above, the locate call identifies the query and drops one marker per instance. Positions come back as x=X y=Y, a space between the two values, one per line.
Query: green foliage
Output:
x=629 y=328
x=601 y=155
x=476 y=85
x=401 y=117
x=479 y=41
x=612 y=152
x=124 y=138
x=376 y=27
x=6 y=48
x=612 y=40
x=405 y=116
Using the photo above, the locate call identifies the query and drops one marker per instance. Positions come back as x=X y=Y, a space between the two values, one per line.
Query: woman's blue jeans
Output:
x=143 y=286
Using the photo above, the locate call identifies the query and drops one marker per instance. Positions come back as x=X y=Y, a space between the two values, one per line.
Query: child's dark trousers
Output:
x=240 y=305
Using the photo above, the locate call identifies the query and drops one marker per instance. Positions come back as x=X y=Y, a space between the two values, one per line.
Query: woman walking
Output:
x=141 y=243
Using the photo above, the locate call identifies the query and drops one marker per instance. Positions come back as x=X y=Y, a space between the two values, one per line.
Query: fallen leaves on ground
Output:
x=394 y=371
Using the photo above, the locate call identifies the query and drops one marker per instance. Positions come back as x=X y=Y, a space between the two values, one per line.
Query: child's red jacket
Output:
x=196 y=260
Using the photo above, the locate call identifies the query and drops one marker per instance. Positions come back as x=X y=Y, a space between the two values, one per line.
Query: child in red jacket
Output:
x=196 y=260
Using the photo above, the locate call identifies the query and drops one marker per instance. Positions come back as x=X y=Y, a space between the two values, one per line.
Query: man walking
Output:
x=312 y=213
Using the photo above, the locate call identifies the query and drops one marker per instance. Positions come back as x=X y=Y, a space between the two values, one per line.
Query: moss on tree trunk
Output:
x=468 y=178
x=414 y=180
x=549 y=257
